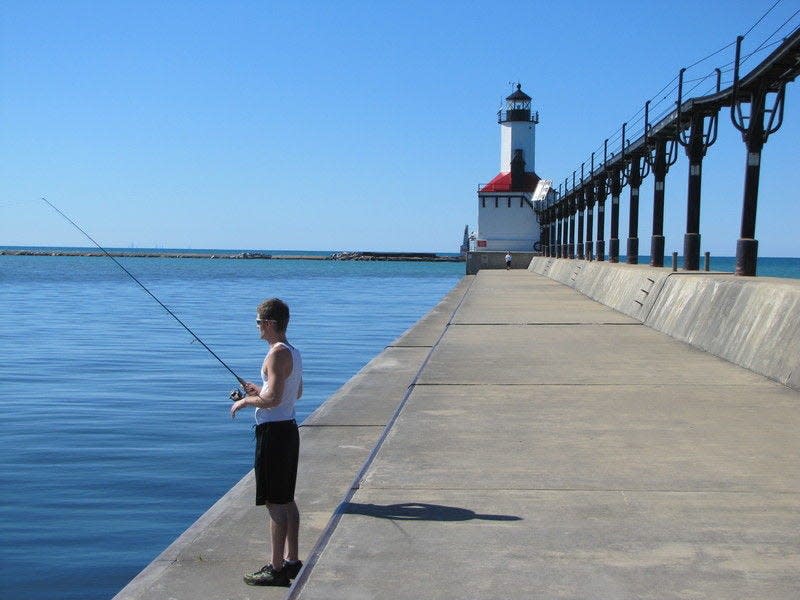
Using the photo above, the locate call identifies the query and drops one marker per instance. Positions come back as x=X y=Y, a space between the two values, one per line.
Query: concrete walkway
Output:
x=528 y=443
x=554 y=448
x=208 y=560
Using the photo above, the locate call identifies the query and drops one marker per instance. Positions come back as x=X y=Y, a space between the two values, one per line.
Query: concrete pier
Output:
x=208 y=560
x=526 y=441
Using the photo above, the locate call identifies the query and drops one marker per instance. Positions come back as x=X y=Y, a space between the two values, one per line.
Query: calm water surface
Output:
x=781 y=266
x=116 y=434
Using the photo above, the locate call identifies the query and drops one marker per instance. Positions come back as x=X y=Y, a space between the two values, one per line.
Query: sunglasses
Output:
x=260 y=321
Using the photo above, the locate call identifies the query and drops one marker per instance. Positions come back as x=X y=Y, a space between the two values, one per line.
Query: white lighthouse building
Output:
x=506 y=217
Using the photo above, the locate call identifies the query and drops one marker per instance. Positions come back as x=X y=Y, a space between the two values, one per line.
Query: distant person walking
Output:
x=508 y=260
x=277 y=442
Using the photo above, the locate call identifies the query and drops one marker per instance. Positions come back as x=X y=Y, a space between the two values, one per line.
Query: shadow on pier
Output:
x=418 y=511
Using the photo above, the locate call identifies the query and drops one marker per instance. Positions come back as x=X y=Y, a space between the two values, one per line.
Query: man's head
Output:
x=276 y=310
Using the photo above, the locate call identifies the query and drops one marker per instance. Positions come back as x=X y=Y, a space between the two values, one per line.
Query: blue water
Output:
x=218 y=252
x=116 y=434
x=780 y=266
x=228 y=252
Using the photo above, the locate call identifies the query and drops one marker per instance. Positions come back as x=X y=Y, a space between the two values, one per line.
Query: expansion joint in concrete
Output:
x=341 y=425
x=548 y=324
x=407 y=346
x=573 y=384
x=579 y=490
x=333 y=523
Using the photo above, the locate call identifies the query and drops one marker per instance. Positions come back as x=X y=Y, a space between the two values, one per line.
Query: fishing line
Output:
x=172 y=314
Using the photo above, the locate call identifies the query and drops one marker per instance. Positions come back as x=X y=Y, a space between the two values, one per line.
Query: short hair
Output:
x=276 y=310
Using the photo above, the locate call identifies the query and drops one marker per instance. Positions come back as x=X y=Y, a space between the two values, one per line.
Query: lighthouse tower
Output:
x=506 y=218
x=517 y=130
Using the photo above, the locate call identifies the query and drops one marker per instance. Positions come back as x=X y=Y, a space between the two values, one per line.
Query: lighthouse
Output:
x=506 y=217
x=517 y=130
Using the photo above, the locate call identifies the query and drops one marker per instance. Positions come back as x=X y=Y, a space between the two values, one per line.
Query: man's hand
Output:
x=237 y=406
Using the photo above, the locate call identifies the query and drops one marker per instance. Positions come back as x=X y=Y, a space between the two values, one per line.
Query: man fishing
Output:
x=277 y=437
x=277 y=442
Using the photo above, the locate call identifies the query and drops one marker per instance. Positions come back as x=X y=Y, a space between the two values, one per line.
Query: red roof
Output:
x=502 y=183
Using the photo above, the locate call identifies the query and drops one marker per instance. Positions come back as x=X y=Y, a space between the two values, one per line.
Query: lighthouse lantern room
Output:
x=506 y=217
x=517 y=130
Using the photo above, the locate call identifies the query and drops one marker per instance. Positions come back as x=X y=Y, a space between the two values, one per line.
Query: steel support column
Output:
x=660 y=172
x=589 y=221
x=747 y=244
x=581 y=216
x=559 y=227
x=636 y=170
x=701 y=137
x=616 y=188
x=601 y=191
x=663 y=154
x=632 y=250
x=572 y=207
x=543 y=228
x=691 y=240
x=755 y=133
x=543 y=231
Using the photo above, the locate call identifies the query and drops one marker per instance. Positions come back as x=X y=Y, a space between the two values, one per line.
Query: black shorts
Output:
x=277 y=451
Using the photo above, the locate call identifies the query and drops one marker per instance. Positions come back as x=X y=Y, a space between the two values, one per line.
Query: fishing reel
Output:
x=241 y=391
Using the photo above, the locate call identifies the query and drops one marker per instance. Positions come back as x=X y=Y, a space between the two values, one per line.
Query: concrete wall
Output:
x=752 y=322
x=630 y=289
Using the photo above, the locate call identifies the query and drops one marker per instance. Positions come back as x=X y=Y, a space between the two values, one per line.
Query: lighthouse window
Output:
x=521 y=202
x=496 y=202
x=483 y=202
x=509 y=202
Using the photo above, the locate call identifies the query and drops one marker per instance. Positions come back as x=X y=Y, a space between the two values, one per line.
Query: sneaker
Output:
x=268 y=576
x=292 y=568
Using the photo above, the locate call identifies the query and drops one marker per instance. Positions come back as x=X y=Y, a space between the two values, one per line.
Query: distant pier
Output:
x=357 y=256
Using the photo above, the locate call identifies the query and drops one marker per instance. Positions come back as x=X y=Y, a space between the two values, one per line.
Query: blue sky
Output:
x=348 y=125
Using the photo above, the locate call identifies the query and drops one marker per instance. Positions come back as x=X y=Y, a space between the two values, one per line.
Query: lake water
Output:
x=781 y=266
x=116 y=434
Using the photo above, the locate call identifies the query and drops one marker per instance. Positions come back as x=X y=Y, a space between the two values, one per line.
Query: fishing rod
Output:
x=235 y=394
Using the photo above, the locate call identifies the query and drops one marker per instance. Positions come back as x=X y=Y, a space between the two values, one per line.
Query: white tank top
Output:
x=285 y=410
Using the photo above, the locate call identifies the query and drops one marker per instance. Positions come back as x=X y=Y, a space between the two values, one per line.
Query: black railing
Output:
x=756 y=103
